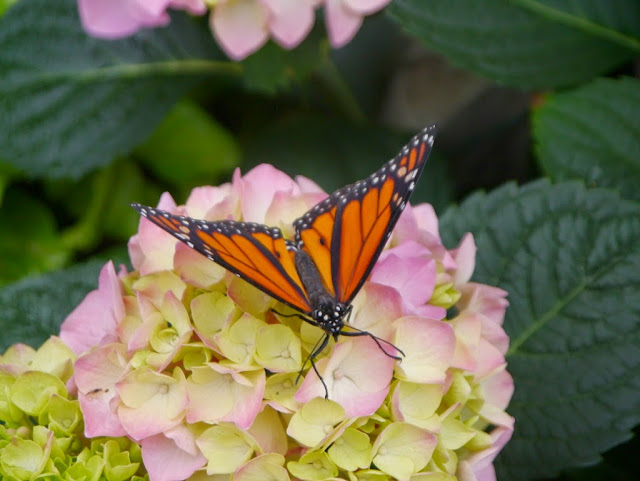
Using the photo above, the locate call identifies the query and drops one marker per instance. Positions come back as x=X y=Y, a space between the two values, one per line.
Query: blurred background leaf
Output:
x=63 y=114
x=526 y=43
x=593 y=133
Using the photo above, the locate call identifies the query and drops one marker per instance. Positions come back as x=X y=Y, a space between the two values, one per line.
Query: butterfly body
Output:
x=336 y=244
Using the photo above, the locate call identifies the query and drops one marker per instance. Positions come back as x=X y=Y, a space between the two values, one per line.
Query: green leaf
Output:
x=527 y=43
x=31 y=244
x=32 y=309
x=593 y=133
x=570 y=260
x=4 y=4
x=204 y=148
x=272 y=67
x=334 y=153
x=70 y=103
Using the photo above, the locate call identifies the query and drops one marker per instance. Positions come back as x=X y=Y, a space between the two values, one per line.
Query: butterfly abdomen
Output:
x=326 y=310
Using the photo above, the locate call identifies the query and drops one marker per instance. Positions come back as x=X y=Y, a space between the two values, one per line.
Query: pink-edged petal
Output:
x=118 y=18
x=290 y=20
x=357 y=376
x=202 y=199
x=240 y=26
x=165 y=460
x=195 y=269
x=410 y=270
x=487 y=300
x=468 y=329
x=268 y=431
x=465 y=257
x=96 y=374
x=375 y=308
x=194 y=7
x=151 y=249
x=407 y=227
x=94 y=321
x=308 y=186
x=238 y=395
x=478 y=463
x=498 y=389
x=489 y=359
x=342 y=22
x=366 y=7
x=428 y=346
x=151 y=402
x=427 y=219
x=259 y=186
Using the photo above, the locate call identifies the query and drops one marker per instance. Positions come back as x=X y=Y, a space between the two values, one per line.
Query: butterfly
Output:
x=336 y=244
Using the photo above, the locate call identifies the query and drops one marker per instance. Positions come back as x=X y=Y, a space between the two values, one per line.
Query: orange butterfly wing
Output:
x=345 y=233
x=255 y=252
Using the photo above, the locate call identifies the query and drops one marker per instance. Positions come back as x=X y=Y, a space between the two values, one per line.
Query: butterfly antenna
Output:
x=317 y=349
x=376 y=339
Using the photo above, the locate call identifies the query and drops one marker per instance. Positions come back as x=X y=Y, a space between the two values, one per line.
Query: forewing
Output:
x=345 y=233
x=255 y=252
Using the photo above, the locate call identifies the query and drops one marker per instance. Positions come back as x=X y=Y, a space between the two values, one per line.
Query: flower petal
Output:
x=240 y=26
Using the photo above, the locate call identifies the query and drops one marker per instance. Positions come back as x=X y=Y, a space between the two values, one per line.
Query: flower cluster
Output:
x=196 y=366
x=41 y=424
x=240 y=26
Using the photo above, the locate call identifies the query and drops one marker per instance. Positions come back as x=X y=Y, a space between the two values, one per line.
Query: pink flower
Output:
x=119 y=18
x=243 y=26
x=195 y=364
x=94 y=321
x=344 y=18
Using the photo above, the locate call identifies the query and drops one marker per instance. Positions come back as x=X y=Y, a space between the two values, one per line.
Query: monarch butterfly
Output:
x=335 y=247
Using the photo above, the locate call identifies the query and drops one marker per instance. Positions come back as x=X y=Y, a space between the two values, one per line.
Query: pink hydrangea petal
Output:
x=240 y=26
x=242 y=400
x=498 y=389
x=375 y=308
x=494 y=333
x=95 y=375
x=194 y=7
x=468 y=329
x=94 y=321
x=476 y=465
x=489 y=359
x=465 y=257
x=409 y=269
x=290 y=20
x=154 y=402
x=366 y=7
x=259 y=186
x=427 y=219
x=308 y=186
x=118 y=18
x=166 y=461
x=151 y=249
x=428 y=346
x=202 y=199
x=407 y=227
x=487 y=300
x=357 y=375
x=342 y=22
x=195 y=270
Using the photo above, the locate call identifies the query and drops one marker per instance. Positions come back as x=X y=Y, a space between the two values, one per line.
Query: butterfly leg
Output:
x=376 y=339
x=317 y=349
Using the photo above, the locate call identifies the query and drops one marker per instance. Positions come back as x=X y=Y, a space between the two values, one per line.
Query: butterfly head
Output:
x=329 y=314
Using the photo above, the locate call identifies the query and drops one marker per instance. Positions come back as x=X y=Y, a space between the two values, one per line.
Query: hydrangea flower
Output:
x=194 y=364
x=41 y=433
x=240 y=26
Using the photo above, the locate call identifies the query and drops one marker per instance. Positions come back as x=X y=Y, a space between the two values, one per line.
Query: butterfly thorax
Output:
x=328 y=313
